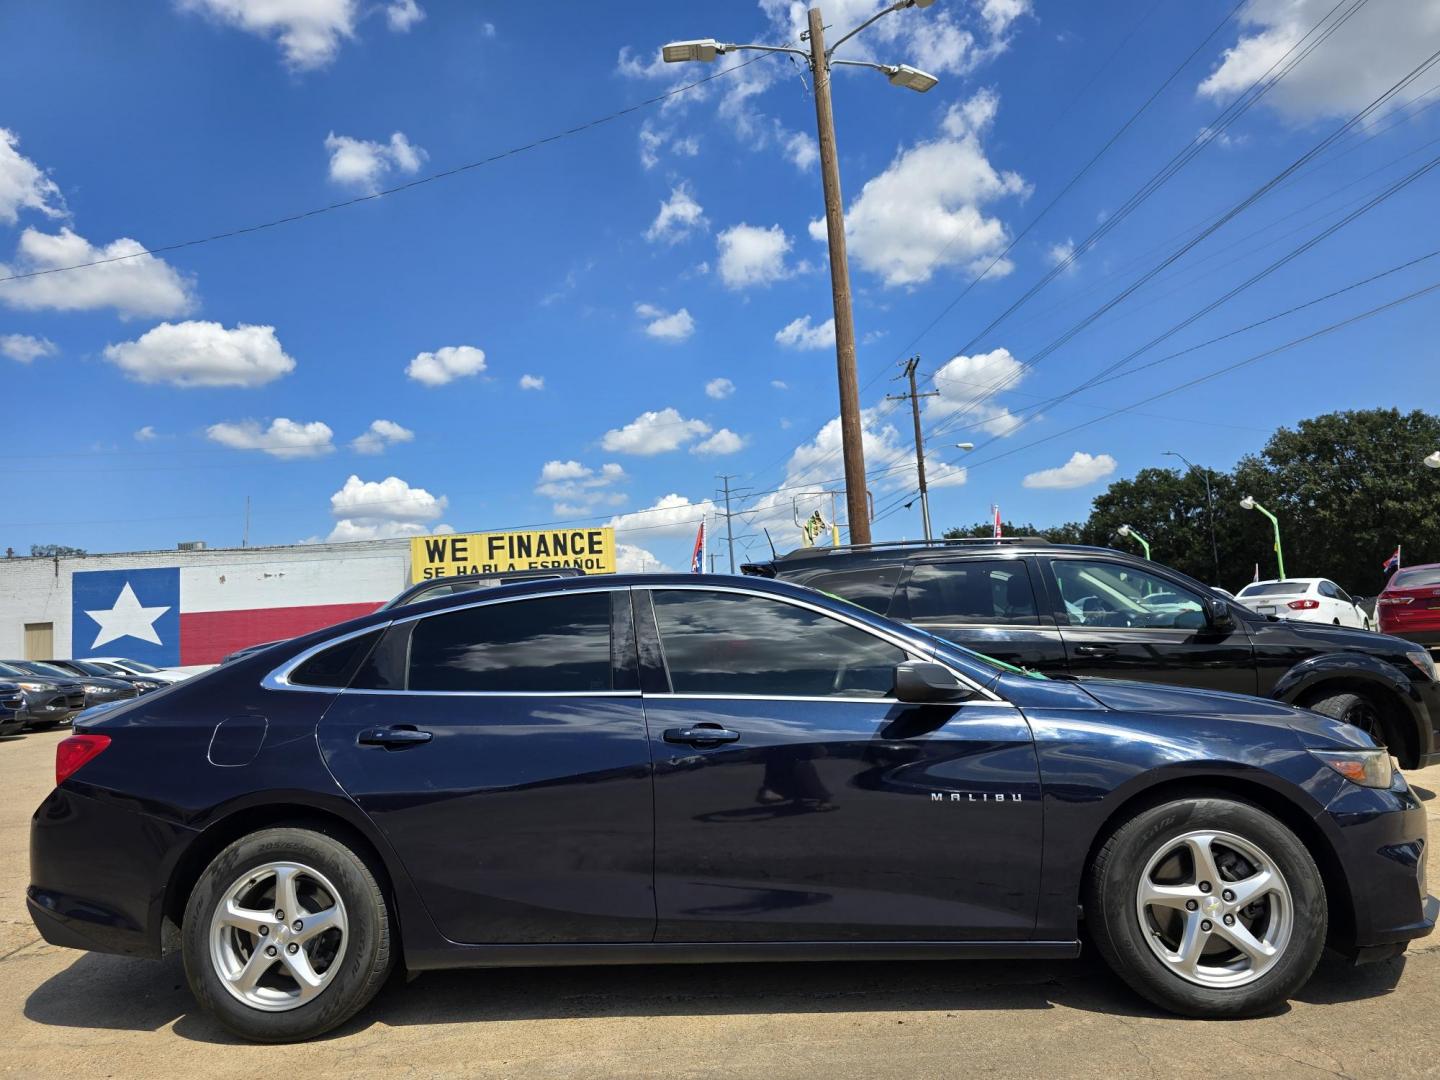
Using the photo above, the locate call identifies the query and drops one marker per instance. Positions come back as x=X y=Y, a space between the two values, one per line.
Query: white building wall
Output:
x=37 y=590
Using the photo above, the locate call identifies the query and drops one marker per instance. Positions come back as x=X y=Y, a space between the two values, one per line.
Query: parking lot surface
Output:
x=65 y=1013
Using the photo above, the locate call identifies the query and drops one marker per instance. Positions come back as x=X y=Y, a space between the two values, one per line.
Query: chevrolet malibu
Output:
x=669 y=768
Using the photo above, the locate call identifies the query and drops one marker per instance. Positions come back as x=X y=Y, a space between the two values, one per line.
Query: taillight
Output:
x=1303 y=605
x=72 y=754
x=1396 y=599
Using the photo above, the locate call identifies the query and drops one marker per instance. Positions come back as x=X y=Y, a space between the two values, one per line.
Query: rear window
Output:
x=870 y=588
x=1275 y=588
x=1415 y=579
x=336 y=666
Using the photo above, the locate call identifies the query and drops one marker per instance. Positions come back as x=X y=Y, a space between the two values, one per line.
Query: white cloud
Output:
x=577 y=489
x=752 y=255
x=799 y=334
x=719 y=389
x=723 y=441
x=779 y=384
x=673 y=326
x=926 y=210
x=671 y=516
x=532 y=382
x=136 y=285
x=679 y=216
x=446 y=365
x=26 y=347
x=1060 y=253
x=654 y=432
x=363 y=165
x=1353 y=67
x=968 y=386
x=488 y=29
x=630 y=559
x=403 y=14
x=999 y=14
x=654 y=140
x=379 y=435
x=309 y=32
x=374 y=510
x=801 y=150
x=1080 y=470
x=23 y=184
x=283 y=439
x=147 y=434
x=203 y=354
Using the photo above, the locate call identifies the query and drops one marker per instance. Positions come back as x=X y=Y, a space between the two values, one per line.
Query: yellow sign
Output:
x=591 y=550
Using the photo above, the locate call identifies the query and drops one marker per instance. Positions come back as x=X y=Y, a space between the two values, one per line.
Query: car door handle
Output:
x=393 y=737
x=1095 y=650
x=700 y=735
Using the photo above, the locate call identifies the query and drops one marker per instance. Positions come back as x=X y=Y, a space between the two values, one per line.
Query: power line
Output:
x=396 y=189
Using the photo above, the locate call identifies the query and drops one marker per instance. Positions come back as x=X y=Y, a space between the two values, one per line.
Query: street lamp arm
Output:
x=873 y=18
x=764 y=48
x=884 y=69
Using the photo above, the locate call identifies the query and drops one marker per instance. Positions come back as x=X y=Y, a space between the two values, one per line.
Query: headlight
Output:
x=33 y=687
x=95 y=689
x=1368 y=768
x=1425 y=662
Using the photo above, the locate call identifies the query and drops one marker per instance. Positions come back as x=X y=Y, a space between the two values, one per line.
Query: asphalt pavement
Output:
x=65 y=1013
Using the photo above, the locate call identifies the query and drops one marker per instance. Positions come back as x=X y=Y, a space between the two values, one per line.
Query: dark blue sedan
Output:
x=677 y=768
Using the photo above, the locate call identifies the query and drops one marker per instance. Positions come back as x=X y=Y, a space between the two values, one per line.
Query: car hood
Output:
x=46 y=680
x=1342 y=637
x=1315 y=731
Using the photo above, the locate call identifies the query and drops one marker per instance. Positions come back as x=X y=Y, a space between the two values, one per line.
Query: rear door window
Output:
x=978 y=591
x=548 y=644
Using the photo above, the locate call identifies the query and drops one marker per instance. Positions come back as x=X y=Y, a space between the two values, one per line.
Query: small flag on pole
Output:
x=1392 y=563
x=996 y=507
x=697 y=557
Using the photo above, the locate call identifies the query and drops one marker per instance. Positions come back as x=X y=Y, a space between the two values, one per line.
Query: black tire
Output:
x=1114 y=923
x=1360 y=711
x=363 y=966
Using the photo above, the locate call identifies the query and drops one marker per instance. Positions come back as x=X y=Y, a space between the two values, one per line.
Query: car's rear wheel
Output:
x=287 y=934
x=1208 y=906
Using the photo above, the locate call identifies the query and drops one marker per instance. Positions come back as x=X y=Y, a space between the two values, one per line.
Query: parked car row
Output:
x=1085 y=611
x=39 y=694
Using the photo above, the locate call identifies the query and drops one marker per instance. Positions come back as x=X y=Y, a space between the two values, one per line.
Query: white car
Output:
x=1310 y=599
x=135 y=667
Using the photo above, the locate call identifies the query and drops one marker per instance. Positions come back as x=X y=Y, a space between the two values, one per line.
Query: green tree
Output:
x=1347 y=487
x=52 y=551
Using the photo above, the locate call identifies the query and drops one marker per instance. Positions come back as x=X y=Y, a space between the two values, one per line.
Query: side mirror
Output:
x=921 y=682
x=1217 y=614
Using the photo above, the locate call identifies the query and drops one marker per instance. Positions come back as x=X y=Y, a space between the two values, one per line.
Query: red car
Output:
x=1410 y=605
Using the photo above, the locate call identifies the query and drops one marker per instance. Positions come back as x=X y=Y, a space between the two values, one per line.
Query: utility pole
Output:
x=914 y=397
x=727 y=493
x=851 y=434
x=245 y=537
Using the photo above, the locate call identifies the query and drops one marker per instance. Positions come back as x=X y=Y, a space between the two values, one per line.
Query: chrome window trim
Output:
x=279 y=678
x=848 y=700
x=909 y=647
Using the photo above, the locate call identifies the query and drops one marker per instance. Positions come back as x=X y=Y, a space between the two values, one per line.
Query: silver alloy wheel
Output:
x=1215 y=908
x=278 y=935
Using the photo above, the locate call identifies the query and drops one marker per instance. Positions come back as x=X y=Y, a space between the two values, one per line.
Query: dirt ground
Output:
x=65 y=1013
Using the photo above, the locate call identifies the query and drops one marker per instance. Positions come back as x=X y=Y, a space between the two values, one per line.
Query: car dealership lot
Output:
x=67 y=1012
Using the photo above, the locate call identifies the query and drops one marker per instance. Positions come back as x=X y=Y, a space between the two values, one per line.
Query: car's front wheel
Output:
x=1208 y=906
x=286 y=935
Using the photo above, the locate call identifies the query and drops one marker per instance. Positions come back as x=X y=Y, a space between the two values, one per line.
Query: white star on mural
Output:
x=127 y=619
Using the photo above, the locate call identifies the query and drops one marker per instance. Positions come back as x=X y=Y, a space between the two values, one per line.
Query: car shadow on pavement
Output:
x=107 y=992
x=1425 y=793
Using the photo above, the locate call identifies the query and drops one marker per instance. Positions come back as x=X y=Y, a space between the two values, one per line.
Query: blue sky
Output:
x=656 y=280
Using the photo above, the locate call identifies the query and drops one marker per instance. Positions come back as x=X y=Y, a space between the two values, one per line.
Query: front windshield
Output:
x=87 y=668
x=137 y=666
x=48 y=669
x=10 y=669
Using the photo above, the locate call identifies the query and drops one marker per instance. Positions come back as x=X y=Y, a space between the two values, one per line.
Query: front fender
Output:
x=1359 y=671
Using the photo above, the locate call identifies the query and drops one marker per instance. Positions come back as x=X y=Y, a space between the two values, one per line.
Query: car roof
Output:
x=898 y=550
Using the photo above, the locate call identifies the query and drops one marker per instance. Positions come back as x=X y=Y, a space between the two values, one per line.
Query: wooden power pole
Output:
x=914 y=397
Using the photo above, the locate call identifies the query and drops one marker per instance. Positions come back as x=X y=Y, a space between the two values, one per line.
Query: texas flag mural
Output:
x=176 y=616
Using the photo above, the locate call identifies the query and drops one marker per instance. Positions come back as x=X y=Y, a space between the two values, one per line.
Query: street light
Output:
x=964 y=446
x=1126 y=530
x=1433 y=460
x=1210 y=506
x=819 y=60
x=1249 y=503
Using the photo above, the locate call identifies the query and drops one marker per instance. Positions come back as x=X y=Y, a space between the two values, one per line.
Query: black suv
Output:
x=1070 y=610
